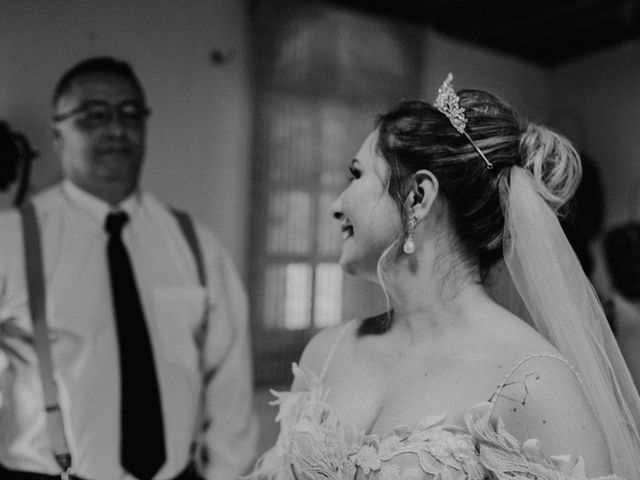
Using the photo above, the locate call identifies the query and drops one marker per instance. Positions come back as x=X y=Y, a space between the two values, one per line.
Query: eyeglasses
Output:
x=93 y=114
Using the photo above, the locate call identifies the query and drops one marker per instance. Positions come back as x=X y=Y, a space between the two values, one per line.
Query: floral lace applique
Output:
x=441 y=450
x=508 y=459
x=311 y=437
x=315 y=443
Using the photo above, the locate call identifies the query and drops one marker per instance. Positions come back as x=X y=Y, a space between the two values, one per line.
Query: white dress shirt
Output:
x=84 y=339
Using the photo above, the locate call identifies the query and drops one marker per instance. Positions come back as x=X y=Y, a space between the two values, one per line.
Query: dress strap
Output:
x=335 y=346
x=521 y=362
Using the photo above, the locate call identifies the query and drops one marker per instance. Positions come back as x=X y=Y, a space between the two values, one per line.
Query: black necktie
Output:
x=142 y=450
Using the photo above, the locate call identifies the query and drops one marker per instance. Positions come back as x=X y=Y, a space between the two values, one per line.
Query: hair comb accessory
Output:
x=448 y=103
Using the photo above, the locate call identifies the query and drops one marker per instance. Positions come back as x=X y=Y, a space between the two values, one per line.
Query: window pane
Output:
x=328 y=298
x=274 y=288
x=288 y=296
x=290 y=138
x=297 y=296
x=289 y=222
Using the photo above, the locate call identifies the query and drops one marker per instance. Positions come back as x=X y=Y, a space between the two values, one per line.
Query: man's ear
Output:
x=423 y=192
x=57 y=138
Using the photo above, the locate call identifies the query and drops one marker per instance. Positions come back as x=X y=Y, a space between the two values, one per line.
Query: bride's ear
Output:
x=422 y=193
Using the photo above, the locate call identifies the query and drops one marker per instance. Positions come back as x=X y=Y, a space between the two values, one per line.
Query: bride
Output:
x=448 y=384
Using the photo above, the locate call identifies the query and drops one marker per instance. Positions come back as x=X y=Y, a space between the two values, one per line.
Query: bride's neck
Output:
x=435 y=312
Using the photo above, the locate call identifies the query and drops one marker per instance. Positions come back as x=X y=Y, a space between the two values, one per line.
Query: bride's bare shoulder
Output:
x=543 y=399
x=323 y=344
x=321 y=348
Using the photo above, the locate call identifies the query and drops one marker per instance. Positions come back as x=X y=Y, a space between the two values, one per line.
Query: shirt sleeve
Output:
x=229 y=422
x=9 y=243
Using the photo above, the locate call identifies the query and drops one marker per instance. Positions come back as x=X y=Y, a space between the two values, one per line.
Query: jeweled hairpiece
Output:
x=448 y=103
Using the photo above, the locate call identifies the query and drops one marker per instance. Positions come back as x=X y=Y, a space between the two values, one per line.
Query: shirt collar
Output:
x=97 y=207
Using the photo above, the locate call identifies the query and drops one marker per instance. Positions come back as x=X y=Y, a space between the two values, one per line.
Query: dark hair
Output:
x=414 y=135
x=9 y=157
x=622 y=252
x=96 y=65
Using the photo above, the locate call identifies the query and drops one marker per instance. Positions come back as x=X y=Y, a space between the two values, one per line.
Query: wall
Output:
x=199 y=134
x=599 y=97
x=594 y=100
x=524 y=85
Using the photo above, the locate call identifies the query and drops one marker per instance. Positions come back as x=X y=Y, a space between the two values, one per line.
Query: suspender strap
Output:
x=37 y=306
x=189 y=232
x=197 y=451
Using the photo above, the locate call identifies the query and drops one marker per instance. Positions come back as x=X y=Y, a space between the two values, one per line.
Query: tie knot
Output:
x=115 y=222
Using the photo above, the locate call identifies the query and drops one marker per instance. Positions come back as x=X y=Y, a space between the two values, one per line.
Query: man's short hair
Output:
x=622 y=252
x=96 y=65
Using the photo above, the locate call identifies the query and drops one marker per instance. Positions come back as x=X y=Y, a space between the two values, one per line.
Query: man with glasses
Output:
x=146 y=346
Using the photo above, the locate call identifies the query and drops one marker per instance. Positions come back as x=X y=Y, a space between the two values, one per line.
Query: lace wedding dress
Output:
x=314 y=444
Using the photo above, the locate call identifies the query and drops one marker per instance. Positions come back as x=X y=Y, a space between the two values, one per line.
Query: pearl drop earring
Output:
x=409 y=245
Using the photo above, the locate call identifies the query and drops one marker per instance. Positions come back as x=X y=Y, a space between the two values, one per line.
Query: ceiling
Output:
x=547 y=32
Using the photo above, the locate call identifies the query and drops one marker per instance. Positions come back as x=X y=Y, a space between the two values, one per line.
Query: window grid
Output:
x=321 y=76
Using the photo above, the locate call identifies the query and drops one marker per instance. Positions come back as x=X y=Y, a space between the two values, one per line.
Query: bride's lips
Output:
x=347 y=231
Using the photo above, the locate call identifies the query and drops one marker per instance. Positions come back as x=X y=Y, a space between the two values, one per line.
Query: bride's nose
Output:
x=336 y=208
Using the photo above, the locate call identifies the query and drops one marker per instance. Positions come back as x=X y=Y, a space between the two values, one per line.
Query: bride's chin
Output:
x=351 y=266
x=347 y=266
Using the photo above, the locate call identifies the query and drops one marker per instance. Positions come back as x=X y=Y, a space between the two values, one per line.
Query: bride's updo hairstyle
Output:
x=414 y=135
